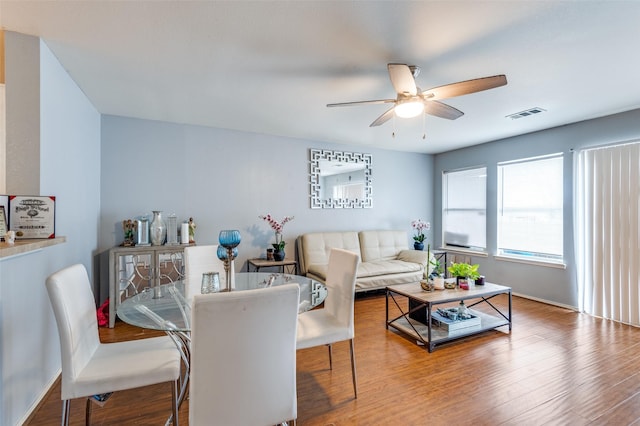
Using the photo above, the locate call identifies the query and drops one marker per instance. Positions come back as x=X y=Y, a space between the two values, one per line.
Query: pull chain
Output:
x=393 y=134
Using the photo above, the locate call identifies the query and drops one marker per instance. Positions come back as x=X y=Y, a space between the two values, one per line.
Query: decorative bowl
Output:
x=450 y=283
x=427 y=285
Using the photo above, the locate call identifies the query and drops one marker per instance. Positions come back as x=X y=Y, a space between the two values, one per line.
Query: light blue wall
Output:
x=226 y=179
x=70 y=159
x=69 y=169
x=544 y=283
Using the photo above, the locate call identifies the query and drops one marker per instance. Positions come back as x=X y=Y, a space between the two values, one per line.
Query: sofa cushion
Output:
x=315 y=247
x=415 y=256
x=386 y=267
x=381 y=245
x=318 y=270
x=382 y=281
x=370 y=269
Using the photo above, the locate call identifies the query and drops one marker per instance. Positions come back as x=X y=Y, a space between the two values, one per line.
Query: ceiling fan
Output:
x=411 y=101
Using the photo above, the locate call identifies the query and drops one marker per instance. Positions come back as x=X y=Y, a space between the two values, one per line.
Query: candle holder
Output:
x=172 y=230
x=227 y=252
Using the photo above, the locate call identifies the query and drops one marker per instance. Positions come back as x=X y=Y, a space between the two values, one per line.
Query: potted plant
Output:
x=462 y=272
x=419 y=225
x=437 y=268
x=437 y=274
x=278 y=227
x=434 y=267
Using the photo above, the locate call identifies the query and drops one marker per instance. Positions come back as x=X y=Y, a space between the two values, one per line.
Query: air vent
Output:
x=526 y=113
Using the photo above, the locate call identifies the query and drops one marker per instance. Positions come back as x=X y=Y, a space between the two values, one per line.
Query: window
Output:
x=464 y=208
x=352 y=191
x=530 y=201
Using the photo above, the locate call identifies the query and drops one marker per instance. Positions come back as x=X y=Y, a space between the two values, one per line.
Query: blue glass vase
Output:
x=418 y=245
x=229 y=238
x=227 y=251
x=222 y=253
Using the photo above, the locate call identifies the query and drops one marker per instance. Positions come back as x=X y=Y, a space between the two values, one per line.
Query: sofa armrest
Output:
x=414 y=256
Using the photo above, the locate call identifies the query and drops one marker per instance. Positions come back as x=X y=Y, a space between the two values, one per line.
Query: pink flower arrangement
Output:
x=277 y=227
x=420 y=226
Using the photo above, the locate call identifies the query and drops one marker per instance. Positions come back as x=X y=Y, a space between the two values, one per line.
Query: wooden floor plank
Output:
x=556 y=366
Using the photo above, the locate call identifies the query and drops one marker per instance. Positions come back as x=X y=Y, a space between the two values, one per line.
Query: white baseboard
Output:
x=548 y=302
x=43 y=394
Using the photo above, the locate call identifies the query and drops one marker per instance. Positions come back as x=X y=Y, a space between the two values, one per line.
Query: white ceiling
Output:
x=271 y=67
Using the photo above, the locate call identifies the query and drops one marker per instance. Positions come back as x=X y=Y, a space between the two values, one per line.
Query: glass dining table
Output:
x=172 y=311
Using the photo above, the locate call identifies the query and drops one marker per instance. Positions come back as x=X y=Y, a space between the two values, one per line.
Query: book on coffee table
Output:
x=452 y=325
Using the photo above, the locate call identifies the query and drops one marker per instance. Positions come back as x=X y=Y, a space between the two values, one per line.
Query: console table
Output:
x=416 y=318
x=289 y=266
x=132 y=269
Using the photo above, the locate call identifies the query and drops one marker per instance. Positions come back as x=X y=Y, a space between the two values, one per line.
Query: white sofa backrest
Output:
x=382 y=245
x=315 y=246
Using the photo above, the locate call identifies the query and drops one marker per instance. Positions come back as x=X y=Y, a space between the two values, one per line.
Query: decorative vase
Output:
x=427 y=285
x=158 y=229
x=278 y=255
x=418 y=245
x=227 y=252
x=463 y=283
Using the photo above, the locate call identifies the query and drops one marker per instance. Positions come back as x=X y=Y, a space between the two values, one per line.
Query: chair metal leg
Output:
x=66 y=406
x=174 y=401
x=353 y=369
x=330 y=357
x=87 y=412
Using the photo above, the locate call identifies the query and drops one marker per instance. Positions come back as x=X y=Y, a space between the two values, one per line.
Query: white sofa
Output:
x=385 y=257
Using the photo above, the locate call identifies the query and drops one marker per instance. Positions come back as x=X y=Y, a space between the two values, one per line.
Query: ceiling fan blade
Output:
x=402 y=79
x=378 y=101
x=383 y=118
x=465 y=87
x=442 y=110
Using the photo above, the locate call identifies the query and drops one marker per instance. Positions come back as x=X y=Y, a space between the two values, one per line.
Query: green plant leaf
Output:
x=464 y=270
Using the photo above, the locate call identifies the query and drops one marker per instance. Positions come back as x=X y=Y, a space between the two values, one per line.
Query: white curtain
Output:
x=607 y=195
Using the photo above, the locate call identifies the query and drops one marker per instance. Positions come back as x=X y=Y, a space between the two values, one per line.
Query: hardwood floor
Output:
x=556 y=367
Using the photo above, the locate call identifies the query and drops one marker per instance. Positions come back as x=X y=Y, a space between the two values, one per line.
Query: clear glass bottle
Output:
x=462 y=310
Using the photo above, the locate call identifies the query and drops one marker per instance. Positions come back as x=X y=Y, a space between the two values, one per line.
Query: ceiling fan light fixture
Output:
x=409 y=108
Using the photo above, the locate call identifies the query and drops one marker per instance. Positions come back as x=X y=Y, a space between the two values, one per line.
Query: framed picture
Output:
x=4 y=203
x=32 y=216
x=3 y=223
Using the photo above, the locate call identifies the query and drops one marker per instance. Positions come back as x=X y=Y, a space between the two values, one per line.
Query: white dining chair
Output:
x=334 y=322
x=243 y=357
x=197 y=261
x=90 y=367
